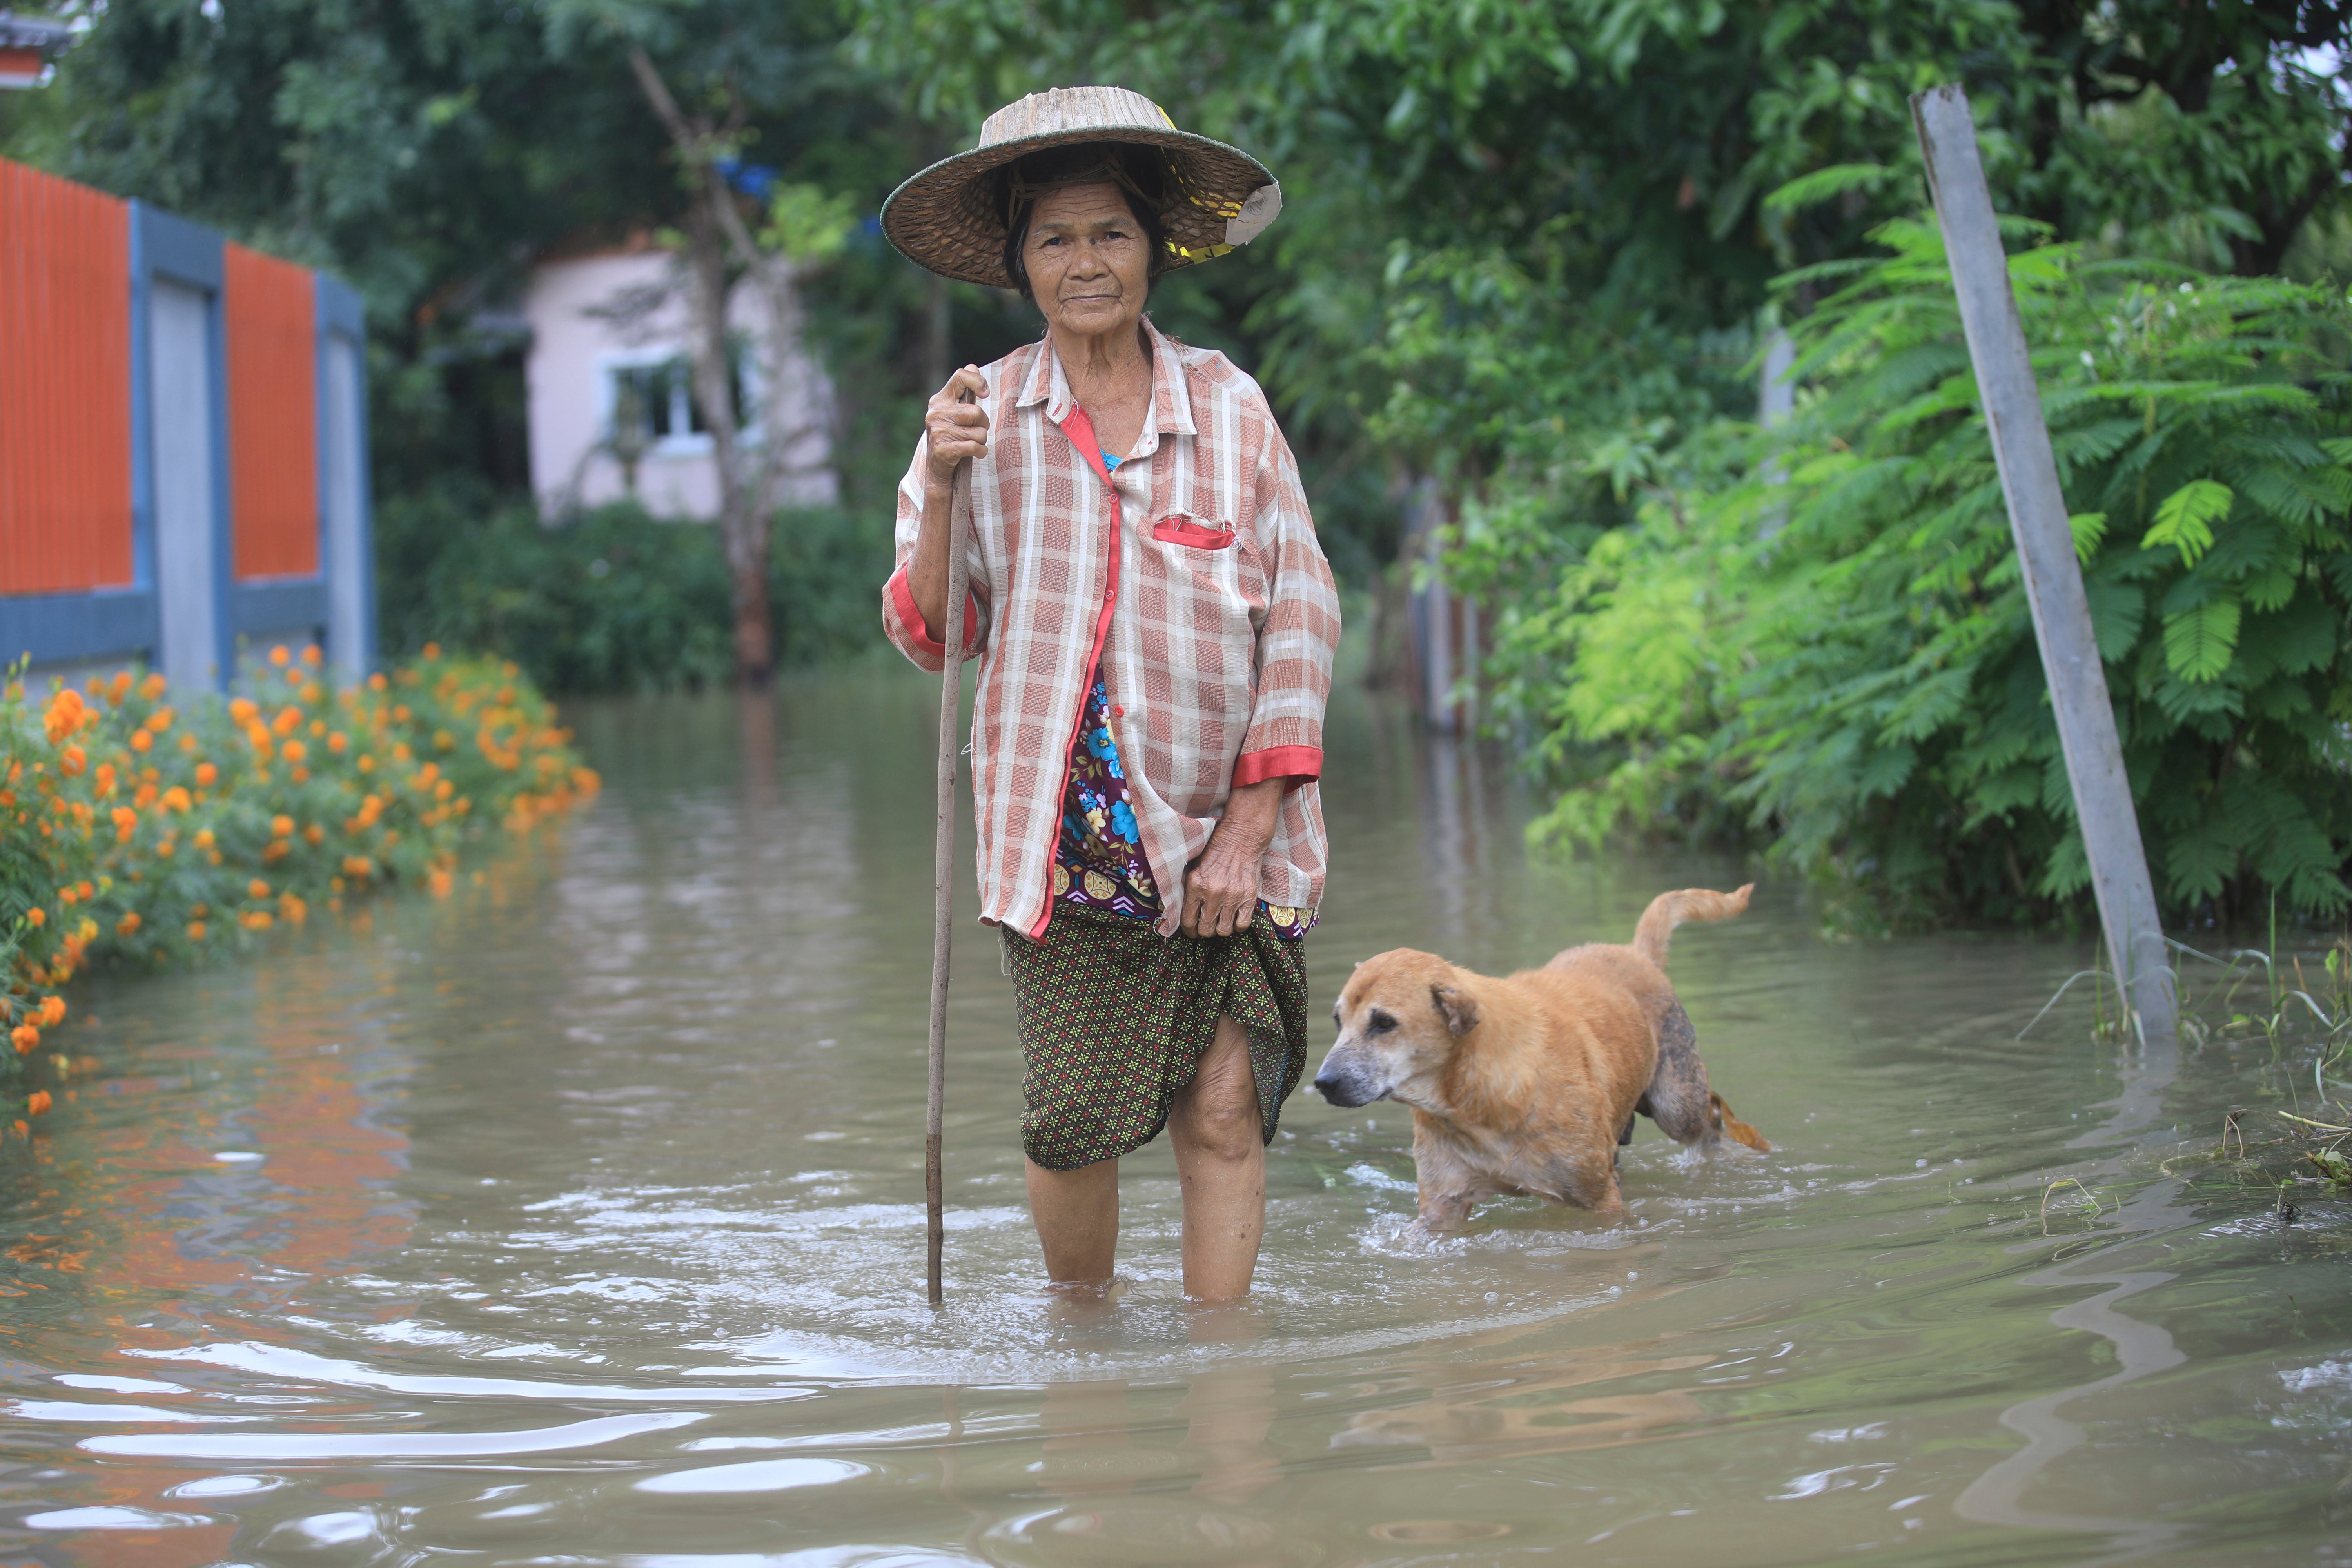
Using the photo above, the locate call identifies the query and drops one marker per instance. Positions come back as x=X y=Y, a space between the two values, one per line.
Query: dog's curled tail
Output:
x=1739 y=1131
x=1668 y=910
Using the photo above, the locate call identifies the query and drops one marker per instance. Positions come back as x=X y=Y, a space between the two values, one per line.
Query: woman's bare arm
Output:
x=954 y=429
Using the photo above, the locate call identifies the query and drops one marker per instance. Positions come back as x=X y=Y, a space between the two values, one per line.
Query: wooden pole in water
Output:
x=2045 y=554
x=943 y=859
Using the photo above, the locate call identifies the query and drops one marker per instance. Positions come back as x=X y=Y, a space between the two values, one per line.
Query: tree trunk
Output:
x=746 y=490
x=742 y=512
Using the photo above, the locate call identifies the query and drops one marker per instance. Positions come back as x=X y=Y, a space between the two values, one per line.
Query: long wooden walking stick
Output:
x=943 y=862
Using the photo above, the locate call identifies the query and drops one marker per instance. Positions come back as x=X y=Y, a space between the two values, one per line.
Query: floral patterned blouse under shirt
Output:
x=1098 y=860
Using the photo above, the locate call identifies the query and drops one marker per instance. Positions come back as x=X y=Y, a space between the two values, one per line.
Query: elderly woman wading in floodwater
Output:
x=1154 y=622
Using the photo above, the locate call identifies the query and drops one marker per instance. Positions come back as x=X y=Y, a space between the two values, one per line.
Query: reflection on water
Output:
x=578 y=1218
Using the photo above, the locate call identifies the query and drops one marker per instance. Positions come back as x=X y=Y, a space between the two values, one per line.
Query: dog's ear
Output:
x=1460 y=1012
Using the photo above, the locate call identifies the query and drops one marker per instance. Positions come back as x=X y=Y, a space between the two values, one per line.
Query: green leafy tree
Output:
x=1826 y=635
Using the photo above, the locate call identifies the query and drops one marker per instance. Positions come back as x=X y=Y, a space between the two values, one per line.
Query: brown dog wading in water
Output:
x=1527 y=1085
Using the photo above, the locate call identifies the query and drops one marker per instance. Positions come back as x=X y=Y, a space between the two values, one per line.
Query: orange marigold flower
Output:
x=281 y=826
x=25 y=1037
x=288 y=720
x=367 y=765
x=276 y=852
x=160 y=719
x=376 y=681
x=188 y=742
x=312 y=693
x=65 y=714
x=312 y=654
x=279 y=656
x=53 y=1011
x=145 y=796
x=258 y=888
x=295 y=911
x=441 y=883
x=205 y=774
x=313 y=833
x=257 y=920
x=39 y=1102
x=433 y=650
x=195 y=930
x=204 y=838
x=175 y=799
x=358 y=866
x=294 y=751
x=37 y=916
x=241 y=710
x=153 y=686
x=336 y=742
x=120 y=687
x=71 y=760
x=141 y=741
x=128 y=925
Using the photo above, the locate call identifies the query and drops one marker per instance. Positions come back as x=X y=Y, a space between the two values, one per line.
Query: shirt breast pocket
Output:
x=1193 y=533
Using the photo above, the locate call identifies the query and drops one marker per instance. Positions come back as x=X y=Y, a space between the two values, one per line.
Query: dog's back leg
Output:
x=1678 y=1099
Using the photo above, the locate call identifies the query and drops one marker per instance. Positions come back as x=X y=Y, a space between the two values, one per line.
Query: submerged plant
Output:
x=134 y=826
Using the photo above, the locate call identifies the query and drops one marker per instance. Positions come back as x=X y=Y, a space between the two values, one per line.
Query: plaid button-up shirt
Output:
x=1189 y=574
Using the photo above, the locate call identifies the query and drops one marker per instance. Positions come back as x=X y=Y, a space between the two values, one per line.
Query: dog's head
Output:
x=1400 y=1017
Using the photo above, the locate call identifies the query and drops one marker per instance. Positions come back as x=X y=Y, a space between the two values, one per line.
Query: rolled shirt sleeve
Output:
x=902 y=621
x=1298 y=637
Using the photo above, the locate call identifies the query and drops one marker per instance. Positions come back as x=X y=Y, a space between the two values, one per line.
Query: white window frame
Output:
x=693 y=443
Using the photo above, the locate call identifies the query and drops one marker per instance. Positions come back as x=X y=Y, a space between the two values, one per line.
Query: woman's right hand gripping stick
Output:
x=955 y=429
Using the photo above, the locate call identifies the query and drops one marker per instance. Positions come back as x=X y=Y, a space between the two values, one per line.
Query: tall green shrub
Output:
x=1826 y=642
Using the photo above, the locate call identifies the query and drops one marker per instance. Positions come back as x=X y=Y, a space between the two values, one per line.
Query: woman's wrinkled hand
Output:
x=1221 y=887
x=954 y=429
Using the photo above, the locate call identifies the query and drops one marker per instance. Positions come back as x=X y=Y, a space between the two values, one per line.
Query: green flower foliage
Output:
x=1819 y=634
x=139 y=827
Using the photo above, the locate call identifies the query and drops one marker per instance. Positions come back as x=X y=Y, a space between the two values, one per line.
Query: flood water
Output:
x=578 y=1219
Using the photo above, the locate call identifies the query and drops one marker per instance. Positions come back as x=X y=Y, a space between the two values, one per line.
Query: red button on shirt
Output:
x=1118 y=713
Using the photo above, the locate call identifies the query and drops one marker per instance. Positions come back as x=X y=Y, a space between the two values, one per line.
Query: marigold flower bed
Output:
x=133 y=826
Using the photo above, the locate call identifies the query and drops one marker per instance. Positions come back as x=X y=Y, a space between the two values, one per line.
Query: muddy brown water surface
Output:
x=578 y=1219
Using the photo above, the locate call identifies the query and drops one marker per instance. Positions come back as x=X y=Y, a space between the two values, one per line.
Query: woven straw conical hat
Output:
x=947 y=219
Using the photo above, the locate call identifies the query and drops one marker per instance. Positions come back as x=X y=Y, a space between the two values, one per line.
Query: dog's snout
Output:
x=1344 y=1083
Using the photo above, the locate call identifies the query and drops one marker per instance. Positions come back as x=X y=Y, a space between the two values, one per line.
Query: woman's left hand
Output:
x=1221 y=887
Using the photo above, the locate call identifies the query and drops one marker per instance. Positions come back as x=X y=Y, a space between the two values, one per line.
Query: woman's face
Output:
x=1088 y=261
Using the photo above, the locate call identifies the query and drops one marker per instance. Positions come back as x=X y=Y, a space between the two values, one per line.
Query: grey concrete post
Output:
x=2045 y=550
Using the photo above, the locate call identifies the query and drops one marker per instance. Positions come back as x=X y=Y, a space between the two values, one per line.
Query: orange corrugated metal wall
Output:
x=272 y=312
x=65 y=386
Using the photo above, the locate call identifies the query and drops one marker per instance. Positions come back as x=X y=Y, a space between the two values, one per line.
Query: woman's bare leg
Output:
x=1076 y=1213
x=1221 y=1161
